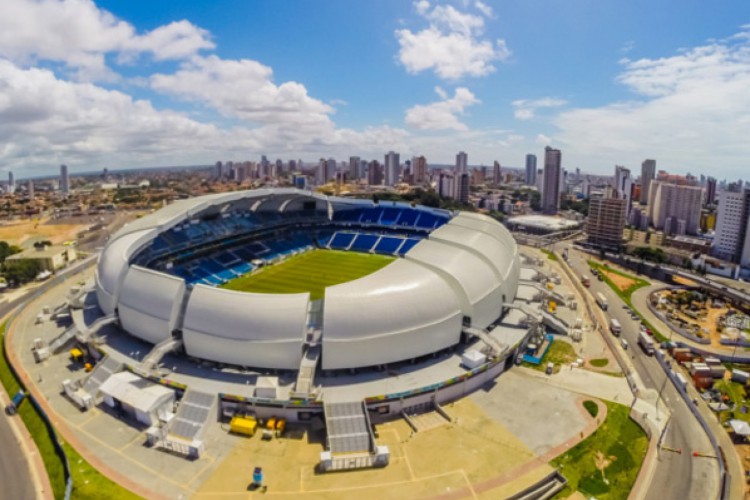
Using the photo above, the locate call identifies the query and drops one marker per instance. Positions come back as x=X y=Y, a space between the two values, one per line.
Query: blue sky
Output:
x=130 y=84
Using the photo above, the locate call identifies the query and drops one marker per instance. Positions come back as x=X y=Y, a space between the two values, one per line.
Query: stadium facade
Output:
x=159 y=277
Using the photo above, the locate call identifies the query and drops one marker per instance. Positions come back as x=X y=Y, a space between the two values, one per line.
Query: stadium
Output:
x=287 y=303
x=165 y=273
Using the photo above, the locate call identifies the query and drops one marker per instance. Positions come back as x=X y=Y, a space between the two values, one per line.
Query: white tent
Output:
x=142 y=399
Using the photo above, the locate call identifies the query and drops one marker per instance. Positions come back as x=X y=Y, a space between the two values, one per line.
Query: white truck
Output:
x=602 y=301
x=646 y=343
x=615 y=327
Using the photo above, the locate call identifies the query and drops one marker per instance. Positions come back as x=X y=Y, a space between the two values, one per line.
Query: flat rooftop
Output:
x=547 y=222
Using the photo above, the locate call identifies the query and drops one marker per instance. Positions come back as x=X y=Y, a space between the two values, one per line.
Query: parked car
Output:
x=624 y=344
x=550 y=368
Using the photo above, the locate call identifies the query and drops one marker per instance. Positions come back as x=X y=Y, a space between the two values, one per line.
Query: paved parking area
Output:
x=518 y=396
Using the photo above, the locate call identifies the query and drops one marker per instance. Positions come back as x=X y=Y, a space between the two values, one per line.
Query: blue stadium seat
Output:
x=390 y=216
x=408 y=244
x=342 y=240
x=426 y=221
x=388 y=245
x=349 y=215
x=371 y=215
x=364 y=242
x=408 y=217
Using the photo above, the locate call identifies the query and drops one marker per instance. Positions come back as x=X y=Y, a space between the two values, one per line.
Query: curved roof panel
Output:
x=247 y=316
x=149 y=303
x=498 y=255
x=389 y=301
x=471 y=273
x=114 y=258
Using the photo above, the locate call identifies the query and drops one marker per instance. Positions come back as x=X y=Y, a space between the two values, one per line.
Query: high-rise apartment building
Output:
x=461 y=187
x=462 y=163
x=606 y=219
x=64 y=179
x=11 y=183
x=446 y=185
x=669 y=204
x=530 y=170
x=326 y=171
x=30 y=189
x=648 y=173
x=710 y=198
x=354 y=171
x=496 y=174
x=732 y=239
x=552 y=179
x=391 y=165
x=624 y=186
x=419 y=169
x=375 y=173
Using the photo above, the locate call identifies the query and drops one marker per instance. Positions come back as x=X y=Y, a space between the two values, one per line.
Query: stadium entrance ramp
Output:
x=350 y=440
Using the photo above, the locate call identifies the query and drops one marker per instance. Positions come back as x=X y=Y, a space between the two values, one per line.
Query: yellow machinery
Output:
x=550 y=285
x=271 y=423
x=280 y=426
x=243 y=425
x=552 y=306
x=88 y=367
x=76 y=355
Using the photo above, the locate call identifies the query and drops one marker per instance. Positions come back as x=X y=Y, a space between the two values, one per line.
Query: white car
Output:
x=624 y=344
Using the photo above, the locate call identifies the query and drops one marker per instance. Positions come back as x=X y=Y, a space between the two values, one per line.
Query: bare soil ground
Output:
x=22 y=231
x=620 y=282
x=709 y=323
x=448 y=458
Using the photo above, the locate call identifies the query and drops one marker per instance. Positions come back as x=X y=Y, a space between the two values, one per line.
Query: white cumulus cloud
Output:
x=242 y=89
x=443 y=114
x=526 y=108
x=79 y=34
x=452 y=45
x=691 y=110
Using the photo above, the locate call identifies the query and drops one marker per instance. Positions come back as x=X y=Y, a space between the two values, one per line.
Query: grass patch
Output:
x=626 y=295
x=599 y=362
x=35 y=426
x=620 y=441
x=560 y=353
x=737 y=397
x=90 y=483
x=550 y=255
x=591 y=407
x=310 y=272
x=87 y=481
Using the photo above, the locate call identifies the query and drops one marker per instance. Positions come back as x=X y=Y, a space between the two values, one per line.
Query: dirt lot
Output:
x=447 y=458
x=621 y=282
x=709 y=323
x=22 y=231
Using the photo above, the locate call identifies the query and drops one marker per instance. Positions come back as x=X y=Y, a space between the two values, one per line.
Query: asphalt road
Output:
x=678 y=475
x=15 y=477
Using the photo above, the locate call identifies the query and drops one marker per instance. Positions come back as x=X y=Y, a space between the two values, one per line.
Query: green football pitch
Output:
x=310 y=272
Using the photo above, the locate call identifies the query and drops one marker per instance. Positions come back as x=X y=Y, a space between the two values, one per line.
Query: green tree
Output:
x=6 y=250
x=22 y=271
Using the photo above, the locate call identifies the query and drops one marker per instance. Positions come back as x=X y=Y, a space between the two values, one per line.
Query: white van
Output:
x=624 y=344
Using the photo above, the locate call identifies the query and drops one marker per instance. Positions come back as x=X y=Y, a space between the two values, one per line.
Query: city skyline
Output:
x=136 y=85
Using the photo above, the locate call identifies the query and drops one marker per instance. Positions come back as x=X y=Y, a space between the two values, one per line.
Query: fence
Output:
x=724 y=476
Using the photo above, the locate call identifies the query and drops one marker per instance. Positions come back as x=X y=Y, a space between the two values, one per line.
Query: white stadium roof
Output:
x=464 y=271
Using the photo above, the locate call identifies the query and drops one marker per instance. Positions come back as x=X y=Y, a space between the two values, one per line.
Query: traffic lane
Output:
x=15 y=475
x=685 y=432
